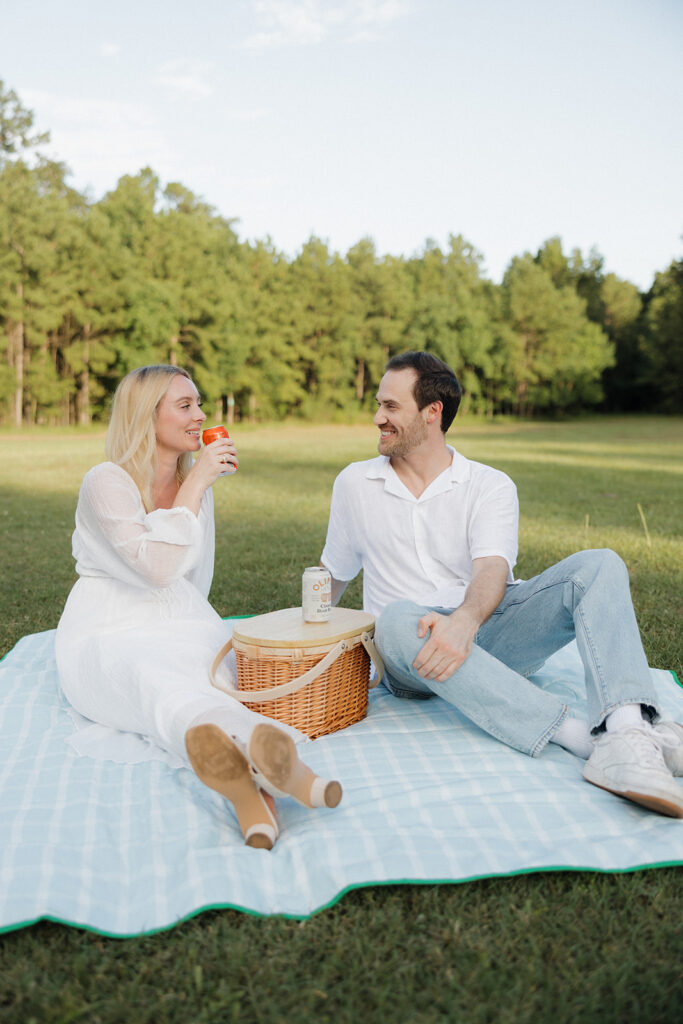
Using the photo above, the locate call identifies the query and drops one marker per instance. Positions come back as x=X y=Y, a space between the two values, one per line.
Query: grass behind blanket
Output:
x=570 y=946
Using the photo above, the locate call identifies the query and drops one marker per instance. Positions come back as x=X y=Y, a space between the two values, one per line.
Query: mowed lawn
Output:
x=561 y=945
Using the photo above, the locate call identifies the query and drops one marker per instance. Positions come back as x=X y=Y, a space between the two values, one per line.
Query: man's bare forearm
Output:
x=451 y=636
x=486 y=590
x=338 y=587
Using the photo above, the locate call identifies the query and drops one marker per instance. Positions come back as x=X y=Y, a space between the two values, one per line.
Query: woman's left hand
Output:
x=224 y=448
x=215 y=460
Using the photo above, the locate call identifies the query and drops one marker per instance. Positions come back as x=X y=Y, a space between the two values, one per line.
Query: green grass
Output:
x=555 y=945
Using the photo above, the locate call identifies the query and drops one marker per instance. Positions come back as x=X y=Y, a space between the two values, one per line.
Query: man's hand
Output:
x=449 y=644
x=451 y=636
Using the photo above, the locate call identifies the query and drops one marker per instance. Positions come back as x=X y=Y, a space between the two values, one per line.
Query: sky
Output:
x=506 y=121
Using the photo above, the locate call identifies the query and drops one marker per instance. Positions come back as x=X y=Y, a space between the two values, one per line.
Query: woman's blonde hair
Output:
x=131 y=436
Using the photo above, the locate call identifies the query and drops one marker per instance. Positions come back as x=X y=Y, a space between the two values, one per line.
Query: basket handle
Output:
x=375 y=657
x=284 y=689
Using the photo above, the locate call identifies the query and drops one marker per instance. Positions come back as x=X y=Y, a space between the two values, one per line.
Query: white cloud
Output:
x=185 y=76
x=110 y=49
x=372 y=16
x=380 y=12
x=100 y=140
x=283 y=22
x=308 y=22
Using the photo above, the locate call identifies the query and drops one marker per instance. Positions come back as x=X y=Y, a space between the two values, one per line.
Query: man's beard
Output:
x=406 y=440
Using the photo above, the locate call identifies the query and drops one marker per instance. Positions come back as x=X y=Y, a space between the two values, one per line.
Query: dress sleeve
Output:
x=340 y=554
x=201 y=575
x=156 y=548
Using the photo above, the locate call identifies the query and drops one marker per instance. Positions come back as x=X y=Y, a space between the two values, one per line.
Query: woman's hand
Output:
x=214 y=460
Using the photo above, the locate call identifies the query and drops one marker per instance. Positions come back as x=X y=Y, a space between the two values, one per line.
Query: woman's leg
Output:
x=219 y=764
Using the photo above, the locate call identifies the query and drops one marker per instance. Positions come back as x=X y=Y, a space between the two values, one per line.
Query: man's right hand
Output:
x=449 y=643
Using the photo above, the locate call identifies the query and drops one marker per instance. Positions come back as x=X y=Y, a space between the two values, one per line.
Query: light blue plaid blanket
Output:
x=126 y=849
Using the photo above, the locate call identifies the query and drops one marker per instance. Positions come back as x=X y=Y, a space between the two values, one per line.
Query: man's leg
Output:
x=498 y=699
x=585 y=596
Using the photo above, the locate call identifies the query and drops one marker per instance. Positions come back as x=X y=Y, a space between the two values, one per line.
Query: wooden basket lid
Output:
x=287 y=628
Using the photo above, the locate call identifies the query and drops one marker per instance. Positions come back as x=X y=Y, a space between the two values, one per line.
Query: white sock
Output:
x=624 y=718
x=574 y=735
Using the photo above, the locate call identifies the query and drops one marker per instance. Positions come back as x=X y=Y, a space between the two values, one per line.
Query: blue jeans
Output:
x=585 y=596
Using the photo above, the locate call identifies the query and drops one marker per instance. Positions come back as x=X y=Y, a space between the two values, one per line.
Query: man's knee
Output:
x=396 y=627
x=599 y=563
x=398 y=643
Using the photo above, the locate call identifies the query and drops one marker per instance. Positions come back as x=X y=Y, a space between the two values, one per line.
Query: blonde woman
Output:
x=137 y=635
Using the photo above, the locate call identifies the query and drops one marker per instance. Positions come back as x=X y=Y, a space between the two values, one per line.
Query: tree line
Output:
x=151 y=273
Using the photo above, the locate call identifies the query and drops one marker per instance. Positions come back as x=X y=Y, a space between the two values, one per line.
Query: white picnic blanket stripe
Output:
x=131 y=848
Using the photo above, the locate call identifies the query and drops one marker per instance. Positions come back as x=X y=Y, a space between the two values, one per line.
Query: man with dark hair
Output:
x=436 y=537
x=435 y=382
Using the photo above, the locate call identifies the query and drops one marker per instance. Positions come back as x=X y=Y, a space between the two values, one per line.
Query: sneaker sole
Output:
x=653 y=801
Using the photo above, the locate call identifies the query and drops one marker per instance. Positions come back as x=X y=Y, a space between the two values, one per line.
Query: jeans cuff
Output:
x=543 y=741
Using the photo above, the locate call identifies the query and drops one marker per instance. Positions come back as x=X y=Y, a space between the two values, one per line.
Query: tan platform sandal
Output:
x=276 y=768
x=220 y=765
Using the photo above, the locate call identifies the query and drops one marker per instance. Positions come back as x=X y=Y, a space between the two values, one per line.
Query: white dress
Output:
x=137 y=635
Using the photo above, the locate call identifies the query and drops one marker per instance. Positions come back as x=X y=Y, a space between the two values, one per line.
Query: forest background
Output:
x=151 y=273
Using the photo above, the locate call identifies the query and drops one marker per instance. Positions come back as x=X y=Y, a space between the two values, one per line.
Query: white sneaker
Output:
x=631 y=764
x=673 y=747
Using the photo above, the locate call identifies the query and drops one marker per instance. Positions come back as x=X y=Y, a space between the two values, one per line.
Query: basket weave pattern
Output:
x=333 y=701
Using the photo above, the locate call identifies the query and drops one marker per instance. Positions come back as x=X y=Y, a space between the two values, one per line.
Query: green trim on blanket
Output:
x=337 y=898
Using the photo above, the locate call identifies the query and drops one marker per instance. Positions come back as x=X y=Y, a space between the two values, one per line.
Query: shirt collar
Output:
x=459 y=471
x=460 y=466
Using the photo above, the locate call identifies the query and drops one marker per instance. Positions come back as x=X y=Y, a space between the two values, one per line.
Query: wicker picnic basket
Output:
x=312 y=675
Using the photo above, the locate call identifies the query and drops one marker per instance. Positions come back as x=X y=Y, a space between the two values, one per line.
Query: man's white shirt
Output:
x=419 y=548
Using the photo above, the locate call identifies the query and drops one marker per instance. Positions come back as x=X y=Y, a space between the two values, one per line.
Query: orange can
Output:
x=212 y=434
